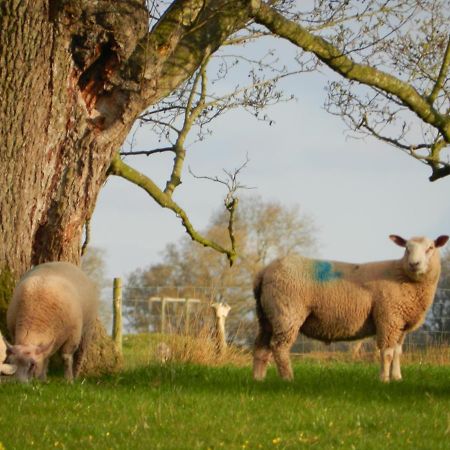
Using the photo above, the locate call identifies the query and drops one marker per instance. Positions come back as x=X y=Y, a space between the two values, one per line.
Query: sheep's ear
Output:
x=9 y=347
x=42 y=348
x=398 y=240
x=441 y=241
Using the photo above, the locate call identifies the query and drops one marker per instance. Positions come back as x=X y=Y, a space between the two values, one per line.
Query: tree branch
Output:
x=147 y=152
x=121 y=169
x=188 y=31
x=190 y=116
x=345 y=66
x=442 y=75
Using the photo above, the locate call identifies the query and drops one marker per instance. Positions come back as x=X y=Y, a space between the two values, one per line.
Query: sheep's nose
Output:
x=414 y=265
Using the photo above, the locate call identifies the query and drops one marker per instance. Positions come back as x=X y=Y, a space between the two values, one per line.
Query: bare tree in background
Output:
x=263 y=230
x=438 y=321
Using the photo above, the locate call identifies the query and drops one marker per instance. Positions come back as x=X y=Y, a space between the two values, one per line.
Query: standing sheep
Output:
x=54 y=307
x=336 y=301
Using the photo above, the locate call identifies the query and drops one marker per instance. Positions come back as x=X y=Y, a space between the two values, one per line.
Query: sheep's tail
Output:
x=264 y=324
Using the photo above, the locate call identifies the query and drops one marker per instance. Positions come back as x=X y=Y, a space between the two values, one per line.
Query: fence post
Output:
x=187 y=311
x=163 y=315
x=117 y=313
x=221 y=311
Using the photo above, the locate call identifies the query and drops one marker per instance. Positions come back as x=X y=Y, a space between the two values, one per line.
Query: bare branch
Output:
x=190 y=116
x=119 y=168
x=147 y=152
x=442 y=75
x=231 y=200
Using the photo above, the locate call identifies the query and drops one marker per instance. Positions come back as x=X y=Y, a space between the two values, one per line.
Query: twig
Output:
x=87 y=236
x=147 y=152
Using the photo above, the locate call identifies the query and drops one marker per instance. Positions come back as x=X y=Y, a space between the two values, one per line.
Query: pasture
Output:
x=330 y=405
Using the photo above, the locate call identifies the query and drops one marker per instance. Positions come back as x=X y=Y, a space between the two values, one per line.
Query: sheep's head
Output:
x=29 y=360
x=419 y=254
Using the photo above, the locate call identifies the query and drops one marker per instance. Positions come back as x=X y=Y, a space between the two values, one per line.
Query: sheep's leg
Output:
x=281 y=344
x=78 y=356
x=43 y=374
x=396 y=373
x=387 y=355
x=261 y=355
x=67 y=351
x=68 y=366
x=389 y=340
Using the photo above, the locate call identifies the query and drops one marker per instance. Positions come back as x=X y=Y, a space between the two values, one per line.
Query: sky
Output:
x=357 y=191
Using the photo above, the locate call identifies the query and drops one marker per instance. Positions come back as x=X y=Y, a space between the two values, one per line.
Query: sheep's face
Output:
x=29 y=360
x=419 y=252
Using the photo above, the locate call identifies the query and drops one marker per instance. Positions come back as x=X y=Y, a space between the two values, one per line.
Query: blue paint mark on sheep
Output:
x=323 y=272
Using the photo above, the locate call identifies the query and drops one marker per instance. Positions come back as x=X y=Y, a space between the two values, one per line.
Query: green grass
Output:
x=184 y=406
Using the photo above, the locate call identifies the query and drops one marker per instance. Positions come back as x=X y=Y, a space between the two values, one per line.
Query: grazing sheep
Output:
x=336 y=301
x=6 y=369
x=53 y=308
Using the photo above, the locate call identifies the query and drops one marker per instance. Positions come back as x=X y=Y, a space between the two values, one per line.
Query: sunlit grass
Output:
x=329 y=405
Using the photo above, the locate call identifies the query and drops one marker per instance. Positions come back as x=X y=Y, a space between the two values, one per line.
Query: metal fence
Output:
x=187 y=311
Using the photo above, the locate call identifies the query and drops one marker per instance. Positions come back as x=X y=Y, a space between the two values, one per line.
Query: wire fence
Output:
x=187 y=310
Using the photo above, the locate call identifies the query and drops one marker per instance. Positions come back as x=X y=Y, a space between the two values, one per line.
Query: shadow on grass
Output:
x=360 y=381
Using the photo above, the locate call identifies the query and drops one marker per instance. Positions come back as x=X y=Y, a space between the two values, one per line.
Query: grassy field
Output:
x=330 y=405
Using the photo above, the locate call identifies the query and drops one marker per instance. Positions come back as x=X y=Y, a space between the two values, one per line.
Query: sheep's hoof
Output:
x=384 y=378
x=287 y=377
x=396 y=378
x=258 y=378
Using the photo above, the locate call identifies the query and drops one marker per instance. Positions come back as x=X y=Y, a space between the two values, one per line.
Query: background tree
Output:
x=438 y=321
x=263 y=230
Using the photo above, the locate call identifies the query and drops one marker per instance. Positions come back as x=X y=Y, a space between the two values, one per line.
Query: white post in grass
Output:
x=221 y=311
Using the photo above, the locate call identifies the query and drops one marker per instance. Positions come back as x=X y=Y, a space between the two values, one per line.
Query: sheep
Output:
x=6 y=369
x=54 y=307
x=337 y=301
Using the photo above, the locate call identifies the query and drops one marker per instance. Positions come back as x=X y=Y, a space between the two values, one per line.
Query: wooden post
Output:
x=117 y=313
x=163 y=315
x=187 y=318
x=221 y=311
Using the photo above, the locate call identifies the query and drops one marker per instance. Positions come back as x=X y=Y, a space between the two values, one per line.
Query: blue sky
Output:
x=357 y=191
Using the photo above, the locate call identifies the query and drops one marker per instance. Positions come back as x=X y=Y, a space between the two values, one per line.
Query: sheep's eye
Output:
x=430 y=249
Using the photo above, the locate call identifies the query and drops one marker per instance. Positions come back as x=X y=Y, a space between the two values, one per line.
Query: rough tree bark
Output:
x=74 y=75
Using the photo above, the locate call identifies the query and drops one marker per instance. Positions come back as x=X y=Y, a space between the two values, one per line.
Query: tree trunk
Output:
x=55 y=146
x=74 y=75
